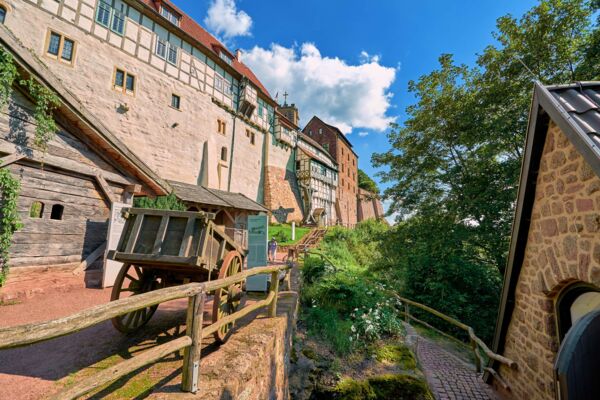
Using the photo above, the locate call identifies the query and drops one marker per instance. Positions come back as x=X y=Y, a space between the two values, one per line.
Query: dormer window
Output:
x=225 y=57
x=170 y=15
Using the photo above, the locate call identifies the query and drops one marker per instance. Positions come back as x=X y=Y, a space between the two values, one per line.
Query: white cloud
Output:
x=391 y=219
x=344 y=95
x=366 y=58
x=363 y=133
x=224 y=19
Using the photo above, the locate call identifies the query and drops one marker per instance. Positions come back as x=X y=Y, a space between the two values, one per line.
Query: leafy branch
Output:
x=9 y=216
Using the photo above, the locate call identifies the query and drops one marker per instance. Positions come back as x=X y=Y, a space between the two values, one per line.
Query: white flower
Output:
x=353 y=329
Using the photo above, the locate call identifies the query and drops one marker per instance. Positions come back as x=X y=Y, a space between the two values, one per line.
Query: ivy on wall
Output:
x=45 y=102
x=9 y=216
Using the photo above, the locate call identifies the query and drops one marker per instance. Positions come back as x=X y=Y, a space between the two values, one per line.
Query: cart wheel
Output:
x=227 y=300
x=134 y=280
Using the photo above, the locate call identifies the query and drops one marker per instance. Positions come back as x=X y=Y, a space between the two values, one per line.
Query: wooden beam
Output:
x=90 y=259
x=106 y=190
x=10 y=159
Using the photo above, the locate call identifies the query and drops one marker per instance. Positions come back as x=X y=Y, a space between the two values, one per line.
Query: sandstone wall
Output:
x=170 y=141
x=563 y=246
x=369 y=206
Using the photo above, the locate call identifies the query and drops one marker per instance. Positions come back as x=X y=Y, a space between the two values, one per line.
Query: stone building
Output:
x=318 y=180
x=169 y=90
x=551 y=293
x=67 y=191
x=369 y=206
x=340 y=148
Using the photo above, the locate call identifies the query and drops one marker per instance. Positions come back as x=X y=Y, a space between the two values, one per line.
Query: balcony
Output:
x=248 y=100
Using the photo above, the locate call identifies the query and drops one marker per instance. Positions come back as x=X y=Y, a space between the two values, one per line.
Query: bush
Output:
x=281 y=237
x=169 y=202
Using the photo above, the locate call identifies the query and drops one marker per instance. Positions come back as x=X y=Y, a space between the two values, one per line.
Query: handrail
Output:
x=323 y=257
x=476 y=342
x=23 y=335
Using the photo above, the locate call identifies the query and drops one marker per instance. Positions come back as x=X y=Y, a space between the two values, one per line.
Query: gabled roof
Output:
x=302 y=136
x=213 y=197
x=335 y=130
x=575 y=108
x=93 y=130
x=208 y=41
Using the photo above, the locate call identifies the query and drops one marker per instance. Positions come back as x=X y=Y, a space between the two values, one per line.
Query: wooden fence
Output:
x=476 y=342
x=196 y=293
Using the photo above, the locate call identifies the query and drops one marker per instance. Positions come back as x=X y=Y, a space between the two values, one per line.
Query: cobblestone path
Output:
x=449 y=377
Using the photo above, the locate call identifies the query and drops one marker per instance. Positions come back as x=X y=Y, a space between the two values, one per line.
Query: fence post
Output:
x=274 y=288
x=477 y=359
x=406 y=313
x=191 y=359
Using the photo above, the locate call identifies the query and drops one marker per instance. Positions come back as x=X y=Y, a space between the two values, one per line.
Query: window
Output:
x=170 y=15
x=110 y=17
x=223 y=153
x=36 y=210
x=57 y=211
x=221 y=127
x=222 y=85
x=225 y=57
x=574 y=302
x=124 y=81
x=60 y=47
x=320 y=131
x=2 y=14
x=175 y=101
x=310 y=132
x=260 y=109
x=166 y=51
x=326 y=146
x=250 y=135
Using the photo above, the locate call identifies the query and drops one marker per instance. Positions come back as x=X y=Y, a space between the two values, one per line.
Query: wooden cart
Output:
x=161 y=248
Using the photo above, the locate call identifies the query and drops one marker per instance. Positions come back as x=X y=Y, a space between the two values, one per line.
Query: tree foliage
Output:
x=366 y=182
x=9 y=218
x=454 y=164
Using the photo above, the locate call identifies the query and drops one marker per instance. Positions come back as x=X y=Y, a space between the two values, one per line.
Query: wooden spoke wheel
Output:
x=134 y=280
x=227 y=300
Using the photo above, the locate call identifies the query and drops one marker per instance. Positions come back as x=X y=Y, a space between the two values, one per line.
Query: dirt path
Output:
x=448 y=376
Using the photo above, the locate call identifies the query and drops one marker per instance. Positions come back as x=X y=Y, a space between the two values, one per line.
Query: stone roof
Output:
x=575 y=108
x=213 y=197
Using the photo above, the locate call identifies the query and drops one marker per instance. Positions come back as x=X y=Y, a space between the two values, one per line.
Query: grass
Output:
x=397 y=354
x=286 y=229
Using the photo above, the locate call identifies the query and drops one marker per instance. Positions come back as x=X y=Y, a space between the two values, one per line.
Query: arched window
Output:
x=36 y=210
x=574 y=302
x=2 y=14
x=57 y=211
x=223 y=153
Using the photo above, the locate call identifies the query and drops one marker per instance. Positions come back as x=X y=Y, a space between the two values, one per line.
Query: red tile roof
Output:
x=194 y=30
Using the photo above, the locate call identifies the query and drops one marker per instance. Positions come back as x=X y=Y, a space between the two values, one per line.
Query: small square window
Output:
x=175 y=101
x=119 y=78
x=130 y=84
x=67 y=51
x=54 y=44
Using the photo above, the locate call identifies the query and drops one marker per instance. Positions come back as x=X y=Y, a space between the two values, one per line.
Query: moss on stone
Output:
x=399 y=387
x=397 y=354
x=310 y=353
x=350 y=389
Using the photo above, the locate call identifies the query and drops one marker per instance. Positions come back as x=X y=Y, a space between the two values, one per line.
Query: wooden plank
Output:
x=160 y=234
x=108 y=193
x=186 y=241
x=47 y=249
x=11 y=158
x=63 y=198
x=20 y=262
x=75 y=189
x=157 y=259
x=83 y=386
x=170 y=213
x=58 y=176
x=94 y=255
x=135 y=232
x=191 y=357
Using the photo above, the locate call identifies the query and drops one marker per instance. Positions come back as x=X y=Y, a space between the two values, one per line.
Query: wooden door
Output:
x=577 y=365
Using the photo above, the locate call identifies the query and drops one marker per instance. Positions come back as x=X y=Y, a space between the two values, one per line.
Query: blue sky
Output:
x=380 y=44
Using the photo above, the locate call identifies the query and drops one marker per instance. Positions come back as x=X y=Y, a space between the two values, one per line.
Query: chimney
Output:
x=238 y=55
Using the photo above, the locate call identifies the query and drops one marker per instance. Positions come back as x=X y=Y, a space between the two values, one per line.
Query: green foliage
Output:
x=365 y=182
x=8 y=74
x=343 y=304
x=275 y=229
x=169 y=202
x=9 y=215
x=399 y=387
x=281 y=237
x=397 y=354
x=45 y=102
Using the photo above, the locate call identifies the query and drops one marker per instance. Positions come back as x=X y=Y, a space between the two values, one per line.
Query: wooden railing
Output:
x=476 y=342
x=322 y=256
x=196 y=293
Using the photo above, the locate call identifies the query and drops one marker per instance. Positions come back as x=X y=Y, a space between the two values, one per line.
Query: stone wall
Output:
x=563 y=246
x=369 y=206
x=173 y=142
x=282 y=193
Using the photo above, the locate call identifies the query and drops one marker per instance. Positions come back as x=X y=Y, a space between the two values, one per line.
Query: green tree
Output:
x=365 y=182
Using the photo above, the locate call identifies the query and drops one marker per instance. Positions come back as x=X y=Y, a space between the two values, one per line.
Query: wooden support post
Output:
x=275 y=289
x=406 y=313
x=191 y=359
x=476 y=355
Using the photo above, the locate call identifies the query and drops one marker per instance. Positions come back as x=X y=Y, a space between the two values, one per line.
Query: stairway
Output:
x=311 y=240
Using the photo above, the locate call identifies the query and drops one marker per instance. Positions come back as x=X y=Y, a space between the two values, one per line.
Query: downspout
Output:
x=231 y=154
